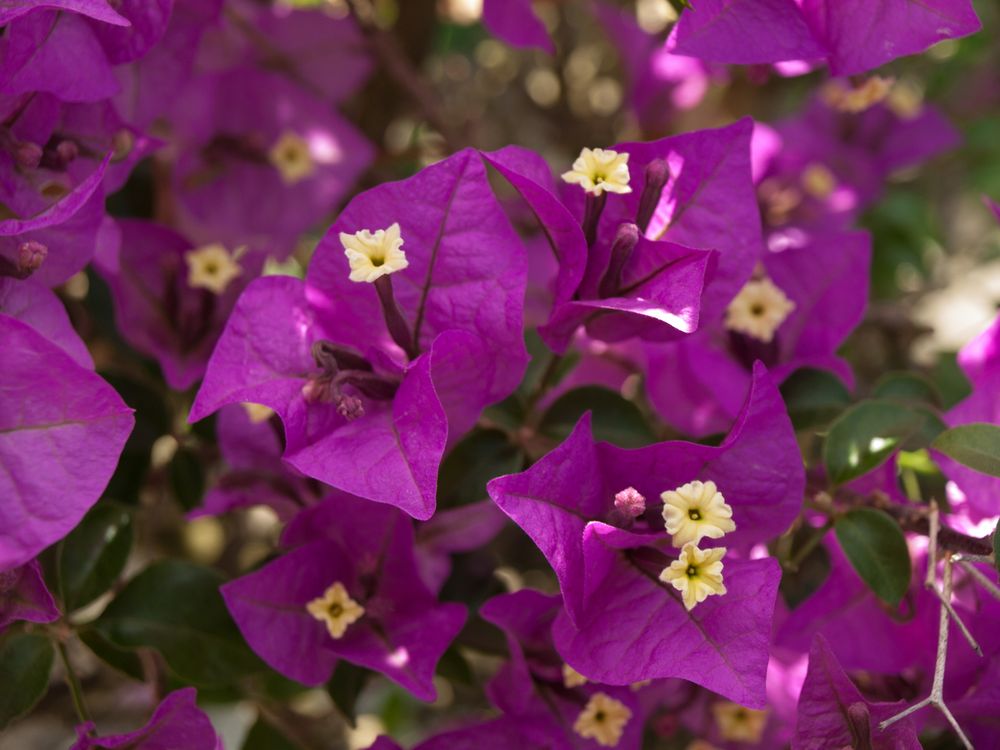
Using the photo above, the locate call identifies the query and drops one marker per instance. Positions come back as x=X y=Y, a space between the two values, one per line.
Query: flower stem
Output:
x=75 y=689
x=394 y=321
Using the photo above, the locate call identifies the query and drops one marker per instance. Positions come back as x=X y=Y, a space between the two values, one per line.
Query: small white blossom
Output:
x=758 y=310
x=337 y=609
x=598 y=170
x=694 y=511
x=373 y=255
x=697 y=574
x=603 y=720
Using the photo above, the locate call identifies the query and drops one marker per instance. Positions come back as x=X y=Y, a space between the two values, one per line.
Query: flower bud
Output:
x=630 y=503
x=30 y=256
x=657 y=174
x=28 y=155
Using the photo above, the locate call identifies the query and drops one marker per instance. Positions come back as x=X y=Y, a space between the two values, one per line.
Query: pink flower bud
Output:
x=30 y=256
x=630 y=502
x=28 y=155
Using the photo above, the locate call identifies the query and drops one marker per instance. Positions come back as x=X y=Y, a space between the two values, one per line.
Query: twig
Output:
x=936 y=698
x=976 y=573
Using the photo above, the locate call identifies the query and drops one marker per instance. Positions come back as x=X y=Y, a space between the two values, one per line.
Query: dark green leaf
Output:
x=814 y=397
x=92 y=557
x=909 y=387
x=25 y=663
x=187 y=478
x=479 y=457
x=996 y=547
x=126 y=662
x=869 y=432
x=616 y=419
x=345 y=686
x=454 y=667
x=920 y=478
x=175 y=607
x=974 y=445
x=877 y=550
x=263 y=736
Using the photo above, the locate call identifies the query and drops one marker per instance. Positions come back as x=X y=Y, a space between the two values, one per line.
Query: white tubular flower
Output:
x=598 y=170
x=758 y=310
x=694 y=511
x=212 y=267
x=291 y=156
x=572 y=678
x=603 y=720
x=337 y=609
x=697 y=574
x=373 y=255
x=739 y=724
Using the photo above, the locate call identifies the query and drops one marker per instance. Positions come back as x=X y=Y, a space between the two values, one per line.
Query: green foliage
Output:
x=814 y=397
x=907 y=387
x=187 y=478
x=263 y=736
x=866 y=435
x=974 y=445
x=93 y=555
x=25 y=663
x=615 y=419
x=344 y=687
x=125 y=661
x=175 y=607
x=476 y=459
x=876 y=548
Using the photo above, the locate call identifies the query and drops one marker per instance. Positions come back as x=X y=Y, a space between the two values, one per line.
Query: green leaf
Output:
x=345 y=686
x=616 y=419
x=920 y=478
x=25 y=663
x=263 y=736
x=908 y=387
x=125 y=661
x=175 y=607
x=869 y=432
x=996 y=547
x=814 y=397
x=876 y=548
x=187 y=478
x=476 y=459
x=93 y=555
x=974 y=445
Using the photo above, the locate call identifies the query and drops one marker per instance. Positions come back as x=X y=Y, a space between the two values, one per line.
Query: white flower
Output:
x=597 y=170
x=758 y=310
x=337 y=609
x=291 y=156
x=211 y=267
x=372 y=256
x=697 y=574
x=739 y=724
x=603 y=720
x=696 y=510
x=572 y=678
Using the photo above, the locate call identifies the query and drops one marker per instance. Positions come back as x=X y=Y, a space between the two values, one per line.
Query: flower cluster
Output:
x=317 y=397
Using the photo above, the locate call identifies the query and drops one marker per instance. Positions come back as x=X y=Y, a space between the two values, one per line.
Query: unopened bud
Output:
x=122 y=144
x=30 y=256
x=350 y=407
x=626 y=238
x=67 y=151
x=657 y=174
x=630 y=502
x=28 y=155
x=860 y=720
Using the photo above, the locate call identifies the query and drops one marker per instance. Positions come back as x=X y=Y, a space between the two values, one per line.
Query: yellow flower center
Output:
x=694 y=511
x=598 y=170
x=212 y=267
x=818 y=181
x=758 y=310
x=603 y=720
x=372 y=255
x=739 y=724
x=258 y=412
x=697 y=574
x=336 y=609
x=291 y=156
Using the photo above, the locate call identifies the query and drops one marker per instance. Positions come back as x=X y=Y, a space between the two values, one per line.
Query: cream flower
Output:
x=572 y=678
x=844 y=97
x=211 y=267
x=758 y=310
x=598 y=169
x=257 y=412
x=818 y=180
x=337 y=609
x=739 y=724
x=374 y=255
x=697 y=574
x=694 y=511
x=291 y=156
x=603 y=720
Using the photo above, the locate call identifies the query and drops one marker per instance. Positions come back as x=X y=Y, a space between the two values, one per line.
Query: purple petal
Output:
x=23 y=596
x=514 y=22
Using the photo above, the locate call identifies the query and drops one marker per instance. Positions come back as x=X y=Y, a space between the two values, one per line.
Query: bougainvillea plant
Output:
x=499 y=374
